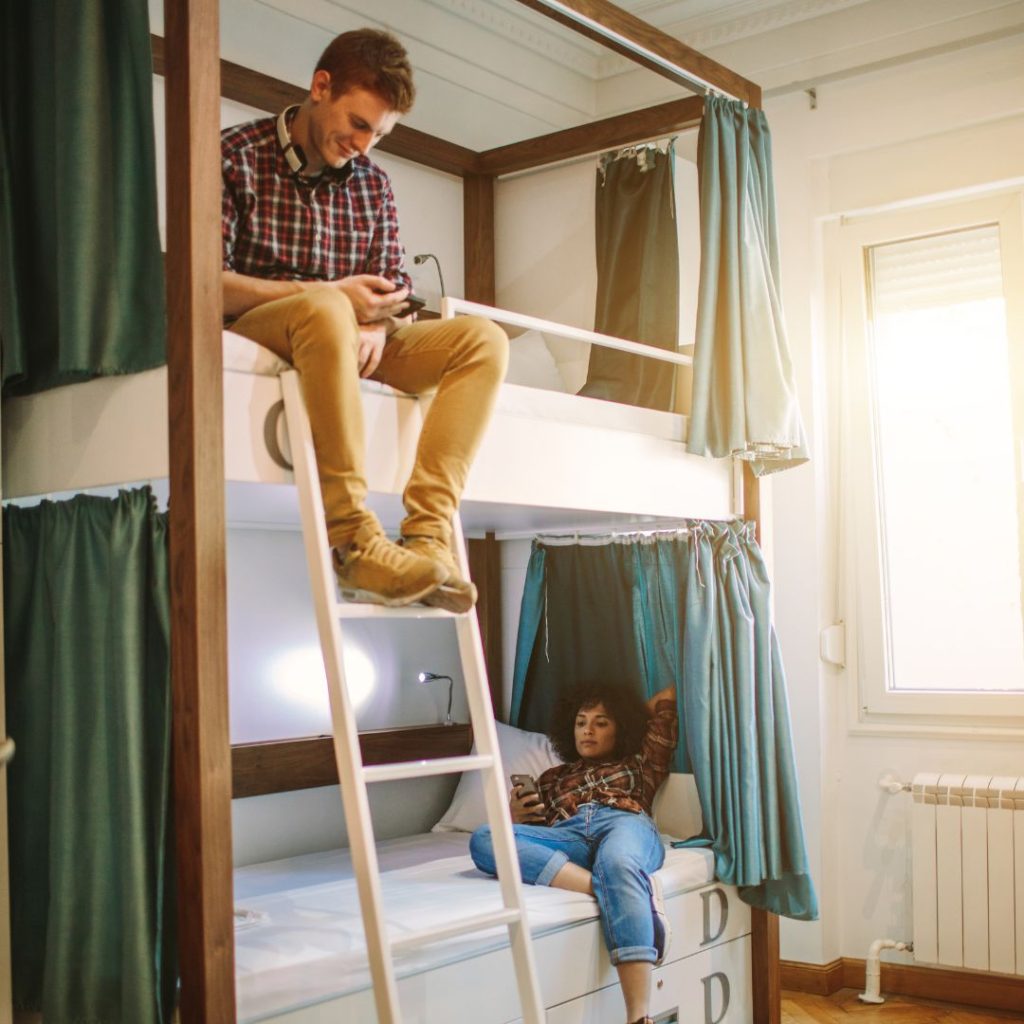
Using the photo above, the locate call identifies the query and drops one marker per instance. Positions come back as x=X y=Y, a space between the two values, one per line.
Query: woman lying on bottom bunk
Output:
x=586 y=825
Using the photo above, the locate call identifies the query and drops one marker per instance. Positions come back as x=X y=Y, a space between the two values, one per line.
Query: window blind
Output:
x=937 y=270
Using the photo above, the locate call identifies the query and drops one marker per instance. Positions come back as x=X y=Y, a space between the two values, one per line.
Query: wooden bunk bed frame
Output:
x=207 y=771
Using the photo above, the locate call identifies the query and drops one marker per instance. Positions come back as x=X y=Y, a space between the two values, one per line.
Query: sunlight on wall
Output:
x=298 y=677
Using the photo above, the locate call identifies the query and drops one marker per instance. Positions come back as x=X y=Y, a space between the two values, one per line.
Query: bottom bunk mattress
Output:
x=301 y=956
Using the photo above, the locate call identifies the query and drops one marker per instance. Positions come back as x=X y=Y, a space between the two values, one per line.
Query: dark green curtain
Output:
x=86 y=643
x=81 y=277
x=637 y=276
x=692 y=610
x=744 y=390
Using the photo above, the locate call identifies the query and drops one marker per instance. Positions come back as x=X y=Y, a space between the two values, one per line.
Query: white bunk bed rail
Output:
x=451 y=307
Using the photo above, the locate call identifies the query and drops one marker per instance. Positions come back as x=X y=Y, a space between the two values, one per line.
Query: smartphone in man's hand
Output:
x=413 y=304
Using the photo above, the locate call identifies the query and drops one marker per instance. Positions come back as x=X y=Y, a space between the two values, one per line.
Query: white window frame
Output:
x=874 y=706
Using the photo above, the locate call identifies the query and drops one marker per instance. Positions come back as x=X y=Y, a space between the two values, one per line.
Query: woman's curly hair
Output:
x=625 y=706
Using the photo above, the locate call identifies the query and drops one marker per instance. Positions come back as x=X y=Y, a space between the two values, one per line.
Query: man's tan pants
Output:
x=464 y=358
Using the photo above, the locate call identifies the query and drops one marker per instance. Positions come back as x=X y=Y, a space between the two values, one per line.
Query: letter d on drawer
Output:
x=712 y=982
x=713 y=928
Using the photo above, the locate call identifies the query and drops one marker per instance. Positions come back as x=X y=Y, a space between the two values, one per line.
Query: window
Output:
x=929 y=384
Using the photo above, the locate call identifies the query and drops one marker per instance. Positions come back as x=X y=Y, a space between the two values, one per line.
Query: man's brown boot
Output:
x=375 y=570
x=455 y=594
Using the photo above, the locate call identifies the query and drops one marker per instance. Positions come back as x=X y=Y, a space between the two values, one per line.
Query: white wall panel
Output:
x=1002 y=941
x=974 y=825
x=923 y=874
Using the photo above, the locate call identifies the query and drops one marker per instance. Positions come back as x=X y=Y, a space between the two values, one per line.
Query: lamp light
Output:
x=422 y=258
x=427 y=677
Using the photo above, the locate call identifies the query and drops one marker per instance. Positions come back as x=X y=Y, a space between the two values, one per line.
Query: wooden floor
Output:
x=844 y=1007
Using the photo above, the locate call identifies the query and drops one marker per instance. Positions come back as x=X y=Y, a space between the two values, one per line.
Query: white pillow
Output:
x=524 y=753
x=531 y=363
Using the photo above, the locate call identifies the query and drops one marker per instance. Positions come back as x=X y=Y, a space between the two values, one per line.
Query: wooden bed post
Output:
x=478 y=237
x=485 y=570
x=201 y=749
x=764 y=927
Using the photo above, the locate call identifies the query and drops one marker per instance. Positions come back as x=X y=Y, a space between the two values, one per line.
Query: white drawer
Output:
x=710 y=987
x=705 y=917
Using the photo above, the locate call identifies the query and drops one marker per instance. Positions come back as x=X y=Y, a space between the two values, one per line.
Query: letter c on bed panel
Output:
x=709 y=1017
x=723 y=911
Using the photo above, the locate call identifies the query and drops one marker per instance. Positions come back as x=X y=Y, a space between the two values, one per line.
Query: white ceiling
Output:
x=491 y=72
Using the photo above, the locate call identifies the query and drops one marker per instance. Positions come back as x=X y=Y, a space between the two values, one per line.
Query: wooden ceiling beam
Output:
x=595 y=137
x=625 y=33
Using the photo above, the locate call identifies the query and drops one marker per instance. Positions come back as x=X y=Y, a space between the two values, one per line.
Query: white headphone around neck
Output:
x=293 y=152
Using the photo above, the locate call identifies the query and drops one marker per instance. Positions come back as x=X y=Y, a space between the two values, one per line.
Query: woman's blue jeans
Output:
x=619 y=848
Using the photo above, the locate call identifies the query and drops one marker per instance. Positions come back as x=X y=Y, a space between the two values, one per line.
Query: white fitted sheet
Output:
x=244 y=356
x=303 y=943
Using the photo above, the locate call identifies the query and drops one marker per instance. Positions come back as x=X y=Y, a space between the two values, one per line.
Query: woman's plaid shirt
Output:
x=629 y=784
x=277 y=224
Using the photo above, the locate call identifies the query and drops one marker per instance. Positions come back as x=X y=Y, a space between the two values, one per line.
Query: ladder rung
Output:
x=463 y=926
x=434 y=766
x=365 y=610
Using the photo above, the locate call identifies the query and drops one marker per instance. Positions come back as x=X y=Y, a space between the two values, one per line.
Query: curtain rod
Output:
x=599 y=28
x=597 y=539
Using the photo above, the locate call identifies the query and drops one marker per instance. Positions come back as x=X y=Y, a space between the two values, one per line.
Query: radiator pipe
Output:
x=873 y=968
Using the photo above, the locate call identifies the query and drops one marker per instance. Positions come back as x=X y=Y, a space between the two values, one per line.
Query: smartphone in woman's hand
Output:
x=526 y=784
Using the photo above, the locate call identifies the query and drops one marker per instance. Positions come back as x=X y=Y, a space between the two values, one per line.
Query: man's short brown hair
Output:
x=369 y=59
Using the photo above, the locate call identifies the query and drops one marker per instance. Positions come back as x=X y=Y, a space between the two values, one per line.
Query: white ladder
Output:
x=354 y=776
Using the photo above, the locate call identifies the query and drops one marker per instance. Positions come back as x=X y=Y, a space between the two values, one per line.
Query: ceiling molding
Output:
x=706 y=31
x=535 y=35
x=525 y=29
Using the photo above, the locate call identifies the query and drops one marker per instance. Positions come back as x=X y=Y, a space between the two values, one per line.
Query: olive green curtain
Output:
x=637 y=276
x=81 y=277
x=86 y=642
x=744 y=391
x=694 y=611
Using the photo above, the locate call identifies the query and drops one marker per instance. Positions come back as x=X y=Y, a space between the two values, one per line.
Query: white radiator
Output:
x=968 y=871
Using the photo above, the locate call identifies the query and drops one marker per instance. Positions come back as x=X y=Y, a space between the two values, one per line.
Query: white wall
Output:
x=948 y=123
x=278 y=691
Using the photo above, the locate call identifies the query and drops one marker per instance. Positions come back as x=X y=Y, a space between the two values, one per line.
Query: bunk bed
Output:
x=223 y=449
x=300 y=955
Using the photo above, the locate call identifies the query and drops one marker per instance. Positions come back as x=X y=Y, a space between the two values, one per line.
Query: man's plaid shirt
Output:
x=629 y=784
x=276 y=224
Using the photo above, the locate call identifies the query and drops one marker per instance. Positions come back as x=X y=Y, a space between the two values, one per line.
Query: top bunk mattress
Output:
x=543 y=449
x=299 y=936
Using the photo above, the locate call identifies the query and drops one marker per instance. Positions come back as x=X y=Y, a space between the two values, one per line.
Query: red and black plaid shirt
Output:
x=629 y=784
x=277 y=224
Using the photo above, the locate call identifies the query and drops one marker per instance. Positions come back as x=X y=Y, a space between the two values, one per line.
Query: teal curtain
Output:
x=692 y=610
x=744 y=391
x=637 y=276
x=81 y=275
x=86 y=643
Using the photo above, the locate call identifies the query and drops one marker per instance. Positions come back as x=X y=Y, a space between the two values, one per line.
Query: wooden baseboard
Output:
x=818 y=979
x=943 y=984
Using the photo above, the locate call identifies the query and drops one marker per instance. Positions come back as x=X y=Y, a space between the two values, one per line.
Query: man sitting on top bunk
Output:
x=313 y=270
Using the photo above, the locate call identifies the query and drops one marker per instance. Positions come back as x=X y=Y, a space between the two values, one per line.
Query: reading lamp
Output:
x=422 y=258
x=427 y=677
